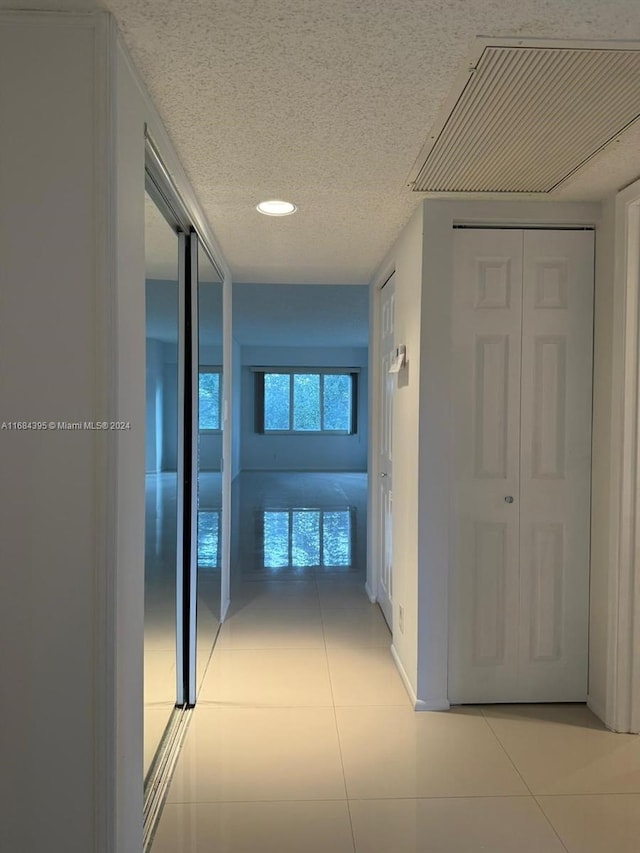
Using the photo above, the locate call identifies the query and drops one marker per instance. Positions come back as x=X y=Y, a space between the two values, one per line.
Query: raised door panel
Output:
x=487 y=290
x=489 y=580
x=491 y=409
x=555 y=464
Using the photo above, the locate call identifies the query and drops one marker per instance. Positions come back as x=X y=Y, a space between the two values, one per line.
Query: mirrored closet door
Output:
x=161 y=479
x=184 y=422
x=210 y=453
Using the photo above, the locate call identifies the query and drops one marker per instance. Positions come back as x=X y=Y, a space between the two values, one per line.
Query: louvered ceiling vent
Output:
x=528 y=117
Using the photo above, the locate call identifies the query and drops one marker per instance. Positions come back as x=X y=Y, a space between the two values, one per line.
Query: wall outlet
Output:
x=401 y=619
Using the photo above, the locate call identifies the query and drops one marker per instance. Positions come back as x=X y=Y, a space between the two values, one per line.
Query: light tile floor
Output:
x=304 y=741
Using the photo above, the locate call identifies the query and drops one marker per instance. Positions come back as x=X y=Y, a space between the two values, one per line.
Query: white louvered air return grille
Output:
x=528 y=117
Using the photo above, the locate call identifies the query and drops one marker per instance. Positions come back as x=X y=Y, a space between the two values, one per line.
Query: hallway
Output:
x=304 y=739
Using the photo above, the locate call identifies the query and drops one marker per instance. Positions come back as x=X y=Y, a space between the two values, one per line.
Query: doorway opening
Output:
x=300 y=478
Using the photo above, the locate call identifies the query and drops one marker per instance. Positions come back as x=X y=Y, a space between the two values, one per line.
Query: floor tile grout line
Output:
x=360 y=799
x=250 y=802
x=504 y=749
x=550 y=822
x=524 y=782
x=593 y=794
x=335 y=720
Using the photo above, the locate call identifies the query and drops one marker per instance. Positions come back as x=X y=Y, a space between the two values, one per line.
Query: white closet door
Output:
x=487 y=316
x=555 y=471
x=522 y=374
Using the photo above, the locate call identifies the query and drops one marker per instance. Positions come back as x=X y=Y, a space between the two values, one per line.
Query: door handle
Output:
x=509 y=499
x=382 y=474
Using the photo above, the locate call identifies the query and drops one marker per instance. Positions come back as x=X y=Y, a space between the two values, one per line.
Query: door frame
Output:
x=622 y=708
x=383 y=491
x=374 y=557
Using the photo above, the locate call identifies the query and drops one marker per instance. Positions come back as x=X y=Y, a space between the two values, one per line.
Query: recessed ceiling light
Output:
x=276 y=208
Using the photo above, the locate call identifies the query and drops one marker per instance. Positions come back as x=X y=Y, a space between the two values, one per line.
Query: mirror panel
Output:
x=210 y=398
x=161 y=447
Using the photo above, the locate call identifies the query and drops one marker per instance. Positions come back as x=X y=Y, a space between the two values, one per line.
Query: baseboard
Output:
x=372 y=597
x=597 y=708
x=599 y=711
x=418 y=704
x=422 y=705
x=403 y=675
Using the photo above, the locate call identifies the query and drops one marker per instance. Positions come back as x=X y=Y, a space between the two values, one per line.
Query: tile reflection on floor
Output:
x=304 y=738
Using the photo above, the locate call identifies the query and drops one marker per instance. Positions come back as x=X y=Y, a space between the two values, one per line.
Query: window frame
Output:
x=211 y=368
x=321 y=372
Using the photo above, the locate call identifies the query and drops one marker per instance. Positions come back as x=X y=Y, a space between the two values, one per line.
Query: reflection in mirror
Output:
x=210 y=404
x=161 y=434
x=306 y=538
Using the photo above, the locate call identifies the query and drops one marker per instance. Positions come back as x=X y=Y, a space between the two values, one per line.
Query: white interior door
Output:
x=487 y=317
x=555 y=465
x=522 y=340
x=387 y=383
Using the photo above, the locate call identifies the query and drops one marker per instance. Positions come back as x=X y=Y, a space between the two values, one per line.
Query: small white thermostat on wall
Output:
x=398 y=360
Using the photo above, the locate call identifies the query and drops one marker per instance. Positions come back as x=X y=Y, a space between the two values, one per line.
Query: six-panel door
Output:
x=522 y=343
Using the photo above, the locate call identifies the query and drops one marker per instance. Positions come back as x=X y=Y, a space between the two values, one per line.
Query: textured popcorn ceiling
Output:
x=327 y=103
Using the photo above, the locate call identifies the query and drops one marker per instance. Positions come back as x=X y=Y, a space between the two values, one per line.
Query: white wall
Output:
x=615 y=604
x=52 y=357
x=126 y=645
x=409 y=288
x=259 y=451
x=434 y=493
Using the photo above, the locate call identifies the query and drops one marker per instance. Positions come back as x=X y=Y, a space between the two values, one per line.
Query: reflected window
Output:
x=209 y=539
x=209 y=384
x=306 y=538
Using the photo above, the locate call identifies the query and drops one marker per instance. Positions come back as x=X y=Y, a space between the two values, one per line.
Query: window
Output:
x=305 y=401
x=209 y=382
x=305 y=538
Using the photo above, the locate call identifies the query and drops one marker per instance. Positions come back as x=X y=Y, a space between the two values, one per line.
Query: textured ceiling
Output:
x=328 y=103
